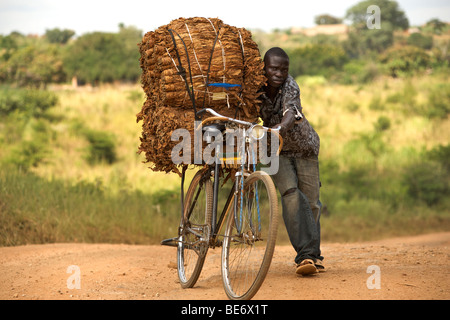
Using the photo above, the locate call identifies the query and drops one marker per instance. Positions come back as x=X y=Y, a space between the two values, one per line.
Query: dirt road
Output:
x=404 y=268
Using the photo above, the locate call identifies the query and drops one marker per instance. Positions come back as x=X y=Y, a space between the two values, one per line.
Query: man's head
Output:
x=276 y=65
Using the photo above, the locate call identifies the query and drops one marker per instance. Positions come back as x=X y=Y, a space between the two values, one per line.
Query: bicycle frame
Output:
x=216 y=225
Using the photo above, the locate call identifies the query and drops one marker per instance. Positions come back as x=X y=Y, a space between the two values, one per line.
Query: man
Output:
x=298 y=176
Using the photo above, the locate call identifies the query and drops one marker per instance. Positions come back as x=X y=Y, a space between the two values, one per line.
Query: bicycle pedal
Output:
x=173 y=242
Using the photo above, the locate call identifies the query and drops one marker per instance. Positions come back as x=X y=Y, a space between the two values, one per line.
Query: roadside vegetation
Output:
x=70 y=171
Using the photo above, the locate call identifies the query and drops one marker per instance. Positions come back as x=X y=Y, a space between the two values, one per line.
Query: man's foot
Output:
x=319 y=266
x=306 y=267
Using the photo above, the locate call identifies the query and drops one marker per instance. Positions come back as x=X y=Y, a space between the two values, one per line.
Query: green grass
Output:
x=37 y=210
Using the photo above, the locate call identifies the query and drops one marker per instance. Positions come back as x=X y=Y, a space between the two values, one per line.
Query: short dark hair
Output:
x=276 y=51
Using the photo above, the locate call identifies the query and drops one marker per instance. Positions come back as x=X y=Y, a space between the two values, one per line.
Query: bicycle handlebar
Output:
x=217 y=116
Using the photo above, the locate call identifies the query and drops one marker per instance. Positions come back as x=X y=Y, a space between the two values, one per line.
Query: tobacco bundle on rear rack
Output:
x=188 y=65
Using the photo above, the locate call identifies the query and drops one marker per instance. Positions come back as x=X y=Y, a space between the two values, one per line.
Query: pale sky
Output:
x=82 y=16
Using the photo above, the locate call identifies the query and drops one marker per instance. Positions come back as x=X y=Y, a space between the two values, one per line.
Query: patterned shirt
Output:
x=301 y=140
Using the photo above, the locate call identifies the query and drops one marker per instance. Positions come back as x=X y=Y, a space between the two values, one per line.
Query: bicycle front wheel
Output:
x=194 y=232
x=250 y=237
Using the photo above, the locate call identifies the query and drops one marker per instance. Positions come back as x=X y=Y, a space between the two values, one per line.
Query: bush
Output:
x=358 y=182
x=439 y=101
x=28 y=154
x=383 y=123
x=440 y=154
x=101 y=147
x=26 y=131
x=28 y=102
x=317 y=59
x=421 y=41
x=427 y=181
x=402 y=60
x=359 y=71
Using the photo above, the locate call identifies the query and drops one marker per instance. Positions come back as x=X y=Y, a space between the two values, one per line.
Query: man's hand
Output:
x=281 y=128
x=286 y=123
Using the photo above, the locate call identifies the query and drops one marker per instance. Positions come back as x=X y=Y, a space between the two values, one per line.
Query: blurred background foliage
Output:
x=379 y=99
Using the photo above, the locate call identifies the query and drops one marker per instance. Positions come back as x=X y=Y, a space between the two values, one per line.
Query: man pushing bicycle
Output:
x=297 y=178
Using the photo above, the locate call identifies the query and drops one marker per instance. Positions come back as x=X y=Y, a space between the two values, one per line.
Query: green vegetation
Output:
x=70 y=171
x=384 y=165
x=94 y=58
x=104 y=57
x=38 y=210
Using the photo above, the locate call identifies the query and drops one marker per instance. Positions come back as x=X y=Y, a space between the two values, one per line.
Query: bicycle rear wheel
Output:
x=250 y=237
x=194 y=232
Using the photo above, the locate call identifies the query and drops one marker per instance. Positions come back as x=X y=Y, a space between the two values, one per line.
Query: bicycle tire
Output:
x=192 y=247
x=247 y=253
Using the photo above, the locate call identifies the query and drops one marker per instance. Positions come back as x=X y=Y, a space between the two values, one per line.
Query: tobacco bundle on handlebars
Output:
x=188 y=65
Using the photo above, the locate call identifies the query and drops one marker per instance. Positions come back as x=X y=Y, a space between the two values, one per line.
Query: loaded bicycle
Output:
x=246 y=228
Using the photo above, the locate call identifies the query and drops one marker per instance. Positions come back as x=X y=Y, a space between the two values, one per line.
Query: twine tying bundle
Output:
x=188 y=65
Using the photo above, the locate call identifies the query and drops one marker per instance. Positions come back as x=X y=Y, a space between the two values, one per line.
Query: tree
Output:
x=93 y=57
x=390 y=13
x=7 y=45
x=34 y=65
x=327 y=19
x=436 y=25
x=129 y=37
x=362 y=40
x=104 y=57
x=59 y=36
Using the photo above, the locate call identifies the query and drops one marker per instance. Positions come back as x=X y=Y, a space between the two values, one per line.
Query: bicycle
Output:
x=250 y=233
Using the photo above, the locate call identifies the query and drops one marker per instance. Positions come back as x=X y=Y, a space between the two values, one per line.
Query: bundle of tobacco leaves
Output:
x=188 y=65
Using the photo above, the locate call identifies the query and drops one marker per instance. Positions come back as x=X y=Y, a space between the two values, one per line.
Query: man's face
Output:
x=277 y=70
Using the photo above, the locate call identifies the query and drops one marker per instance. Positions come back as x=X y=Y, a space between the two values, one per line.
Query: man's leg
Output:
x=309 y=184
x=297 y=214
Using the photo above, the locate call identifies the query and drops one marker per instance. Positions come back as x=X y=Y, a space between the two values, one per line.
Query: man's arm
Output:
x=292 y=107
x=287 y=122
